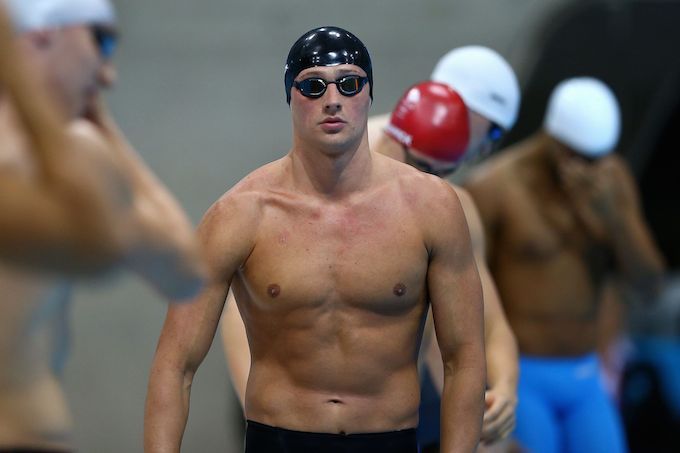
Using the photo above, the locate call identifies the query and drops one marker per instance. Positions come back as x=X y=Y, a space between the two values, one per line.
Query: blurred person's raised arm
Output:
x=636 y=252
x=605 y=196
x=57 y=220
x=163 y=247
x=43 y=125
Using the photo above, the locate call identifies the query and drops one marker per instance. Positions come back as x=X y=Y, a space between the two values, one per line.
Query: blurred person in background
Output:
x=59 y=205
x=562 y=217
x=490 y=90
x=430 y=129
x=73 y=169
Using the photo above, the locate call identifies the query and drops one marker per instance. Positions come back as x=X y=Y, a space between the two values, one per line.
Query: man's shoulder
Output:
x=245 y=199
x=258 y=182
x=422 y=190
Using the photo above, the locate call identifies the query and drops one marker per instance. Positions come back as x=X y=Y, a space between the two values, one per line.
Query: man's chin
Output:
x=338 y=145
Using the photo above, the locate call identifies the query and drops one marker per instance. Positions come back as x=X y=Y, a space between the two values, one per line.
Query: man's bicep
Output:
x=456 y=299
x=454 y=284
x=226 y=234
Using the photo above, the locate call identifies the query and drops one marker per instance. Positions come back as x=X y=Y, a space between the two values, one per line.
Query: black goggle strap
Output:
x=426 y=166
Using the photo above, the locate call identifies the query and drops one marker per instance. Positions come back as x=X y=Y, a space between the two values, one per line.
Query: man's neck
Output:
x=331 y=175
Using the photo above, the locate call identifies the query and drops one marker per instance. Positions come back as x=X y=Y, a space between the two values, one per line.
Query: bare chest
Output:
x=542 y=226
x=371 y=257
x=31 y=305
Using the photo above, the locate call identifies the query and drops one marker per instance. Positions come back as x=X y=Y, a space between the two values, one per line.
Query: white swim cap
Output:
x=485 y=81
x=29 y=15
x=583 y=114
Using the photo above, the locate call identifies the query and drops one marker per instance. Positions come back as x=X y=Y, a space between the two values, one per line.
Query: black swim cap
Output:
x=326 y=46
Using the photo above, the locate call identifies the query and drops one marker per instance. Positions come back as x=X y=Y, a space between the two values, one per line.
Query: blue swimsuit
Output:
x=563 y=407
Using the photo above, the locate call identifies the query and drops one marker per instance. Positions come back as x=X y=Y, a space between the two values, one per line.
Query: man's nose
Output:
x=332 y=99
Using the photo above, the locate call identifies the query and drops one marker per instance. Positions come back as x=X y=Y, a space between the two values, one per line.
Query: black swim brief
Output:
x=262 y=438
x=29 y=450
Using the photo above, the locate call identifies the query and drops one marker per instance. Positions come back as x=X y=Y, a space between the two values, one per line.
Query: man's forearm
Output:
x=31 y=100
x=166 y=412
x=462 y=406
x=636 y=254
x=502 y=357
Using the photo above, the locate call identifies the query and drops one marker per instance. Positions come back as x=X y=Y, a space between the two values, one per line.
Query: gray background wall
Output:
x=201 y=96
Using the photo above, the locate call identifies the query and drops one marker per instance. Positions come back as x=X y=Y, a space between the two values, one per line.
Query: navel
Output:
x=399 y=289
x=273 y=290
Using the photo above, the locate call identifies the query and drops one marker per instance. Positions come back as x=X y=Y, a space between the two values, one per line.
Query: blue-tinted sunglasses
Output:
x=315 y=87
x=106 y=40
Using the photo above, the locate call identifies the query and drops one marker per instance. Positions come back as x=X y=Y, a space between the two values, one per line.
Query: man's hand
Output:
x=595 y=193
x=97 y=113
x=499 y=416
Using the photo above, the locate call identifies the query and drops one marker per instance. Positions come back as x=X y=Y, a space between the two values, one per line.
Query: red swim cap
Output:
x=432 y=119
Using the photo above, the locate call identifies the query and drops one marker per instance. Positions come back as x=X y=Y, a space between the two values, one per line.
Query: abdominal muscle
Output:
x=274 y=398
x=33 y=408
x=35 y=415
x=335 y=380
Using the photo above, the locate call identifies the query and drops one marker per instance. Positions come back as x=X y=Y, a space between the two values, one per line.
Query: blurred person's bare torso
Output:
x=548 y=268
x=33 y=336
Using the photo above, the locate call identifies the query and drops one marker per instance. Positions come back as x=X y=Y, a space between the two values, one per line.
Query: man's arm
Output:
x=456 y=298
x=502 y=356
x=30 y=98
x=55 y=219
x=227 y=234
x=163 y=248
x=236 y=348
x=636 y=252
x=605 y=196
x=500 y=343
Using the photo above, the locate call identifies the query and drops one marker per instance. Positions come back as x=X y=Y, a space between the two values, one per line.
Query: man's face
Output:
x=332 y=122
x=75 y=66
